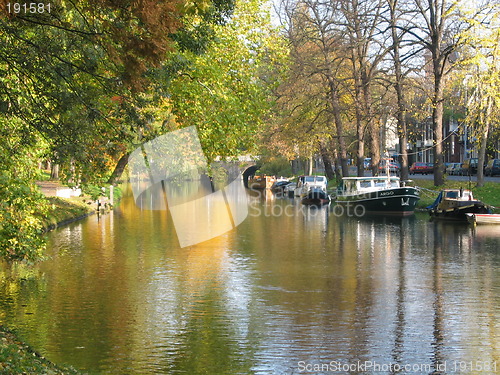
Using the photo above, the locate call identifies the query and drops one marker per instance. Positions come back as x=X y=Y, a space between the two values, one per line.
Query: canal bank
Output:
x=68 y=208
x=18 y=358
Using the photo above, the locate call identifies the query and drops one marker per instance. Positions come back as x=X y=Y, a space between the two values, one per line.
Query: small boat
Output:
x=483 y=218
x=384 y=195
x=289 y=190
x=454 y=204
x=261 y=182
x=304 y=183
x=315 y=196
x=279 y=186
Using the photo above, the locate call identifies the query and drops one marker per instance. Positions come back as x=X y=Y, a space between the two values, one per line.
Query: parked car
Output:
x=492 y=168
x=454 y=169
x=393 y=166
x=422 y=168
x=469 y=167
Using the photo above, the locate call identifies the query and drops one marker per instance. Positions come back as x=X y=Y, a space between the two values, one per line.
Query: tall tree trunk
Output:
x=437 y=122
x=398 y=86
x=119 y=168
x=339 y=125
x=338 y=174
x=484 y=142
x=54 y=172
x=327 y=162
x=310 y=163
x=373 y=126
x=360 y=133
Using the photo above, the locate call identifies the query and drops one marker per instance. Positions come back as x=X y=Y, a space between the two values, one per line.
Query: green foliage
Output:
x=21 y=204
x=278 y=166
x=81 y=75
x=20 y=225
x=224 y=92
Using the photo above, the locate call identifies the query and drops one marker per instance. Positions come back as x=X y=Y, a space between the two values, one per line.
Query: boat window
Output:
x=365 y=184
x=452 y=194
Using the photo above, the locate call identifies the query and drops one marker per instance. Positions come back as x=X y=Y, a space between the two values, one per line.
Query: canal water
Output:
x=291 y=290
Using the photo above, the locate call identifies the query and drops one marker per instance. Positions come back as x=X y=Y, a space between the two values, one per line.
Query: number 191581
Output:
x=28 y=8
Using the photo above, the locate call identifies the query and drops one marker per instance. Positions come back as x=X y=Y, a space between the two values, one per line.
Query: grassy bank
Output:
x=18 y=358
x=63 y=210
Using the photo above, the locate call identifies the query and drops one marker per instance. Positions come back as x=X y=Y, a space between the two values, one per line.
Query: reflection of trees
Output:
x=438 y=304
x=274 y=291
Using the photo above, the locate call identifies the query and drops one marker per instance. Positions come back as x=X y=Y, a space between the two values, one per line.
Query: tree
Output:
x=77 y=81
x=76 y=75
x=312 y=98
x=397 y=38
x=20 y=203
x=225 y=92
x=483 y=71
x=440 y=32
x=367 y=50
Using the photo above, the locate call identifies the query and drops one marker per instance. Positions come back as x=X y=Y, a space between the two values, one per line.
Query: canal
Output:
x=291 y=290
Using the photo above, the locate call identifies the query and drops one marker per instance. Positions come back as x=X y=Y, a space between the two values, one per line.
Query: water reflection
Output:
x=290 y=286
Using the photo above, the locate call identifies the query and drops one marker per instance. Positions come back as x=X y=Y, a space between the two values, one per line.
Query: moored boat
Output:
x=289 y=190
x=385 y=195
x=304 y=183
x=483 y=218
x=261 y=182
x=279 y=186
x=315 y=196
x=455 y=204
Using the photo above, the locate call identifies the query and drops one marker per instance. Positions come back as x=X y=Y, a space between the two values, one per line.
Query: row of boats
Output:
x=384 y=195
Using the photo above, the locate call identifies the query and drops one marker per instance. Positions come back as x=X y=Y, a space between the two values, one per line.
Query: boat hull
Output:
x=460 y=213
x=316 y=197
x=395 y=202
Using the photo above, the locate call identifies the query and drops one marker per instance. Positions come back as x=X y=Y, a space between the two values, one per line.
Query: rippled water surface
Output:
x=291 y=290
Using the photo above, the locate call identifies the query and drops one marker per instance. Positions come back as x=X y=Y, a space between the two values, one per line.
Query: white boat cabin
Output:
x=360 y=185
x=458 y=194
x=453 y=198
x=304 y=183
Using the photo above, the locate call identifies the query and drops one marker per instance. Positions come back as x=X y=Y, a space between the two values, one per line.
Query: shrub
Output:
x=21 y=206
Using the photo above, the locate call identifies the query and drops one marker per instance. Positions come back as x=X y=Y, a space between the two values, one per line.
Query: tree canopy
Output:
x=85 y=82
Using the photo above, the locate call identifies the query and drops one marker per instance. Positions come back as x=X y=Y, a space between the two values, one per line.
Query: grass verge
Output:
x=63 y=210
